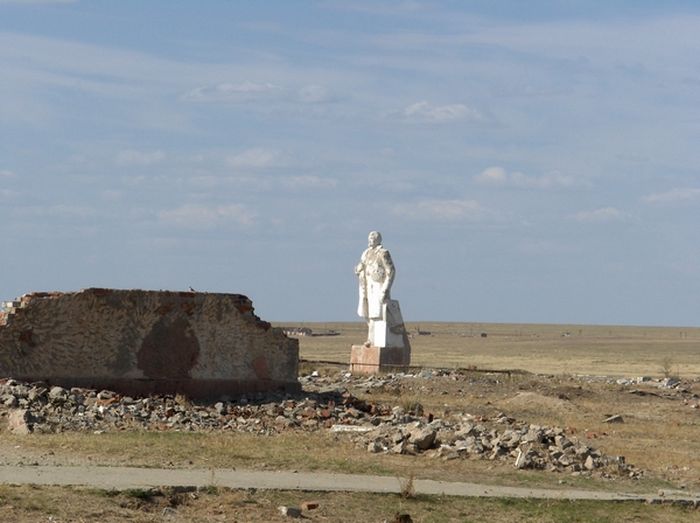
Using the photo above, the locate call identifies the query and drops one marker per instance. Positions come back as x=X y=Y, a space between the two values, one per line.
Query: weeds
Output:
x=212 y=490
x=141 y=494
x=182 y=400
x=412 y=406
x=667 y=366
x=407 y=486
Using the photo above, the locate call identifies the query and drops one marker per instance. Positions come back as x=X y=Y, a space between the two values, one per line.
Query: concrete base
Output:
x=370 y=360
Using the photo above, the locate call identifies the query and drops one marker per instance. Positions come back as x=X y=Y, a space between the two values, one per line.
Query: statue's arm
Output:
x=390 y=273
x=360 y=267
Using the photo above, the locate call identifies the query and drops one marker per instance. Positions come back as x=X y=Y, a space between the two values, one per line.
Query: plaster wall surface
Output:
x=136 y=341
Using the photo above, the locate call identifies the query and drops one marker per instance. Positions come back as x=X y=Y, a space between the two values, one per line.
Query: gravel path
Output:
x=132 y=477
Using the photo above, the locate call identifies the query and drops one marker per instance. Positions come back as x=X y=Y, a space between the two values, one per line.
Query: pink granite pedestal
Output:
x=370 y=360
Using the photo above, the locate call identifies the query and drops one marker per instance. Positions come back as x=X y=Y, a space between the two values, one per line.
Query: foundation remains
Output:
x=137 y=342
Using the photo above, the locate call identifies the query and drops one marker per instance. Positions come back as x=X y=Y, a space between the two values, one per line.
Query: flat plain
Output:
x=553 y=375
x=597 y=350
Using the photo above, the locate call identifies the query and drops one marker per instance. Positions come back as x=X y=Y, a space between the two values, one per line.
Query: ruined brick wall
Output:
x=135 y=341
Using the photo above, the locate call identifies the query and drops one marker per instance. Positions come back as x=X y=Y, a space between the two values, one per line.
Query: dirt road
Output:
x=132 y=477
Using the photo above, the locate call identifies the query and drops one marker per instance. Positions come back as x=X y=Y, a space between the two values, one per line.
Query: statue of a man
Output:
x=376 y=274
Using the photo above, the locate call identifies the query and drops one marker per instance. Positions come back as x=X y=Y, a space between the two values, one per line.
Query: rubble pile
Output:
x=502 y=438
x=42 y=409
x=379 y=428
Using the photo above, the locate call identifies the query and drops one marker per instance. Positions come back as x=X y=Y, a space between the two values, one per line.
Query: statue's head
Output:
x=374 y=239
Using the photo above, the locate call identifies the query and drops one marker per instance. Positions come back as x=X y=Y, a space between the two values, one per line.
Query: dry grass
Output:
x=30 y=504
x=548 y=349
x=312 y=452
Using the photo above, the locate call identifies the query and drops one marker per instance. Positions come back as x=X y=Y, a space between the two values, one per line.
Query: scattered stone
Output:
x=351 y=428
x=423 y=438
x=169 y=512
x=520 y=462
x=309 y=505
x=617 y=418
x=376 y=427
x=670 y=382
x=447 y=453
x=58 y=394
x=18 y=422
x=290 y=512
x=9 y=400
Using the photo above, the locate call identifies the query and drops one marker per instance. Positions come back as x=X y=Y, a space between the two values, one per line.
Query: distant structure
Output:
x=306 y=331
x=136 y=342
x=297 y=331
x=387 y=346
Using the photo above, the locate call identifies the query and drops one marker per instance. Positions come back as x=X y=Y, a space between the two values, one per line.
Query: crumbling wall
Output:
x=137 y=342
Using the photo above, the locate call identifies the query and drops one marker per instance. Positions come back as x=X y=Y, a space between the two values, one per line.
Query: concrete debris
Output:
x=290 y=512
x=670 y=383
x=405 y=429
x=527 y=446
x=350 y=428
x=663 y=383
x=45 y=409
x=19 y=421
x=309 y=505
x=617 y=418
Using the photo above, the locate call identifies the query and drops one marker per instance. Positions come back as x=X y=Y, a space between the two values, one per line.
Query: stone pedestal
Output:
x=388 y=348
x=370 y=360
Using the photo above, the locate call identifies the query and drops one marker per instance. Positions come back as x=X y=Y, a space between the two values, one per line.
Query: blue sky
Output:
x=525 y=161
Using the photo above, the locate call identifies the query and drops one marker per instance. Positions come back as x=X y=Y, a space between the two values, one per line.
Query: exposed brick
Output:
x=202 y=344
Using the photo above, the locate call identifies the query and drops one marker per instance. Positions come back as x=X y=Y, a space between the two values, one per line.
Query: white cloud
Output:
x=256 y=91
x=133 y=157
x=441 y=210
x=229 y=92
x=498 y=176
x=253 y=181
x=7 y=194
x=111 y=195
x=192 y=216
x=256 y=158
x=602 y=215
x=426 y=112
x=58 y=211
x=673 y=196
x=5 y=173
x=492 y=176
x=77 y=211
x=310 y=182
x=314 y=93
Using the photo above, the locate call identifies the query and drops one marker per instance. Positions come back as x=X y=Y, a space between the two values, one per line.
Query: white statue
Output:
x=387 y=347
x=376 y=274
